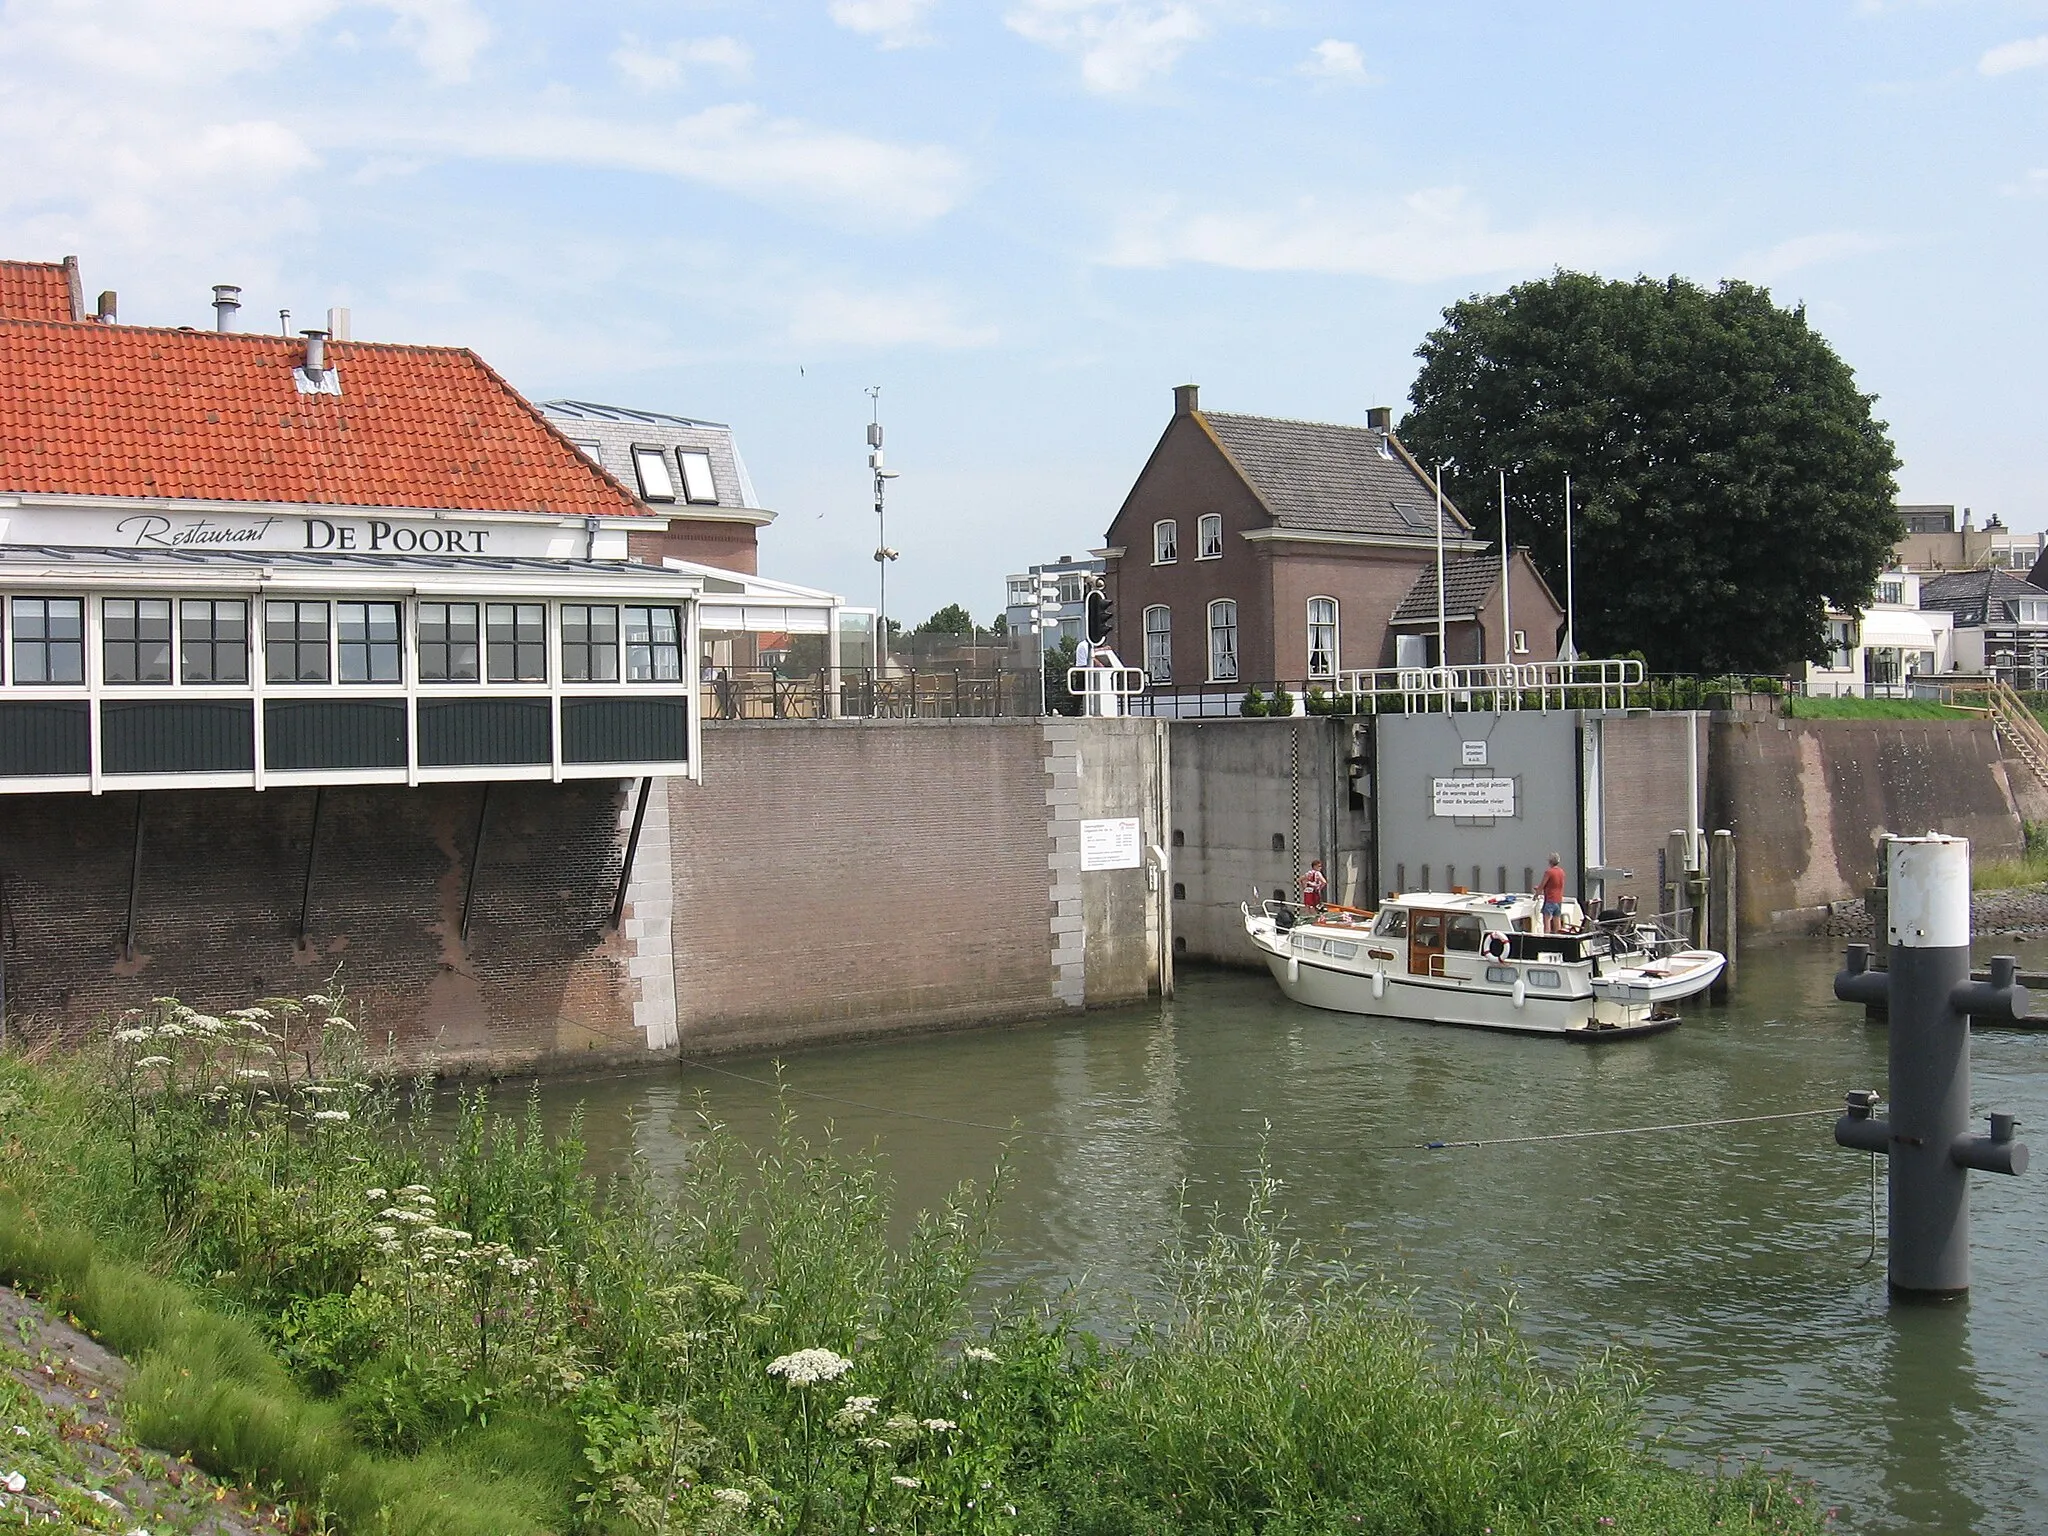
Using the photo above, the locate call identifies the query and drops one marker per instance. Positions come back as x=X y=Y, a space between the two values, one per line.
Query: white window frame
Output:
x=1218 y=674
x=1165 y=541
x=647 y=463
x=1159 y=657
x=1205 y=548
x=700 y=486
x=1521 y=642
x=1329 y=666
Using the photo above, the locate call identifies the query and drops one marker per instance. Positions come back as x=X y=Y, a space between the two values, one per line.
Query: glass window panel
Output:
x=1159 y=644
x=1223 y=641
x=49 y=640
x=654 y=652
x=516 y=642
x=590 y=643
x=366 y=635
x=1209 y=534
x=295 y=641
x=213 y=645
x=1322 y=637
x=1165 y=543
x=448 y=642
x=656 y=484
x=697 y=482
x=135 y=639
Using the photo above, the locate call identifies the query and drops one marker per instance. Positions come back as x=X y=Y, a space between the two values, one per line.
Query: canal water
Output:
x=1737 y=1260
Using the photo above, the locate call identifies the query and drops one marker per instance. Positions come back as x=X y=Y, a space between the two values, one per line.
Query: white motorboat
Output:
x=1459 y=958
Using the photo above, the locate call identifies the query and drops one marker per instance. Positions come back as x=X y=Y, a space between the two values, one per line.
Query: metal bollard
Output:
x=1931 y=1000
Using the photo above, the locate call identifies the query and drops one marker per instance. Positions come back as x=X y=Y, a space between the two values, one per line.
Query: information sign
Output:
x=1473 y=755
x=1111 y=843
x=1473 y=797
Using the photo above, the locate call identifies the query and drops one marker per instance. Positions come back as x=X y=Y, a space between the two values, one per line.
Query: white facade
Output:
x=1878 y=652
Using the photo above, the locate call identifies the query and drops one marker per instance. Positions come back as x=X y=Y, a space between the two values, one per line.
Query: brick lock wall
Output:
x=1642 y=794
x=837 y=879
x=222 y=874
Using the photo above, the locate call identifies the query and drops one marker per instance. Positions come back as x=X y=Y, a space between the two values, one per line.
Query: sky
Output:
x=1027 y=220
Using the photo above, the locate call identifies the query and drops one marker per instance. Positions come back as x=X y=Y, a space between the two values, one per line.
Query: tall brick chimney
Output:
x=1187 y=399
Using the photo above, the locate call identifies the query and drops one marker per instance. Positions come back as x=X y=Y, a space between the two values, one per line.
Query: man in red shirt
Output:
x=1315 y=886
x=1550 y=890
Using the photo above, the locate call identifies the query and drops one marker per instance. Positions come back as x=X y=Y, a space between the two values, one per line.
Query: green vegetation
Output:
x=949 y=620
x=425 y=1331
x=2030 y=868
x=1871 y=709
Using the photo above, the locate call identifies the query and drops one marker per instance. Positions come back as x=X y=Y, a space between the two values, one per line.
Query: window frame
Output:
x=1329 y=668
x=654 y=647
x=519 y=675
x=1203 y=524
x=684 y=458
x=297 y=644
x=1166 y=541
x=1518 y=642
x=213 y=643
x=1216 y=674
x=644 y=455
x=369 y=645
x=586 y=647
x=15 y=642
x=446 y=648
x=135 y=642
x=1159 y=666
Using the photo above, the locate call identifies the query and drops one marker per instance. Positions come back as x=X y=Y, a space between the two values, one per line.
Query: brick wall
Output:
x=222 y=876
x=1643 y=795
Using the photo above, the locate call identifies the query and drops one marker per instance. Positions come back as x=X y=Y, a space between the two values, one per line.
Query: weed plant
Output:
x=421 y=1331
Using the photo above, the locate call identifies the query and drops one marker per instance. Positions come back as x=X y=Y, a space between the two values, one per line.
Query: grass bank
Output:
x=422 y=1332
x=1872 y=709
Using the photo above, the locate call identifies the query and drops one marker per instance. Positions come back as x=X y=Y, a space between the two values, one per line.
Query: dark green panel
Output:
x=334 y=733
x=45 y=737
x=177 y=735
x=483 y=733
x=625 y=730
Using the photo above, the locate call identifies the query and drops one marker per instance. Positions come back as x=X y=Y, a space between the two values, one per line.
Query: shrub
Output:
x=1254 y=703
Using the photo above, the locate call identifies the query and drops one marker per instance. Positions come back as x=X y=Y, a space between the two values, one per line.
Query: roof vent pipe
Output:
x=110 y=307
x=316 y=353
x=227 y=305
x=338 y=322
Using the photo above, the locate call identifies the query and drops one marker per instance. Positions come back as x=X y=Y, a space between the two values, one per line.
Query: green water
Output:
x=1736 y=1259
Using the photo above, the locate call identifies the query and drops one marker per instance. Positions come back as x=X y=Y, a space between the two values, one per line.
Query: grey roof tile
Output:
x=1321 y=477
x=1468 y=581
x=1967 y=593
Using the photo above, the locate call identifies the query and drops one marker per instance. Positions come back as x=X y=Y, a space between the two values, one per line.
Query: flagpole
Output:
x=1507 y=621
x=1571 y=617
x=1442 y=656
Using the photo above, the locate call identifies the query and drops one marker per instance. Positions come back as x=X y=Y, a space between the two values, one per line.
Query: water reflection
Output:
x=1738 y=1258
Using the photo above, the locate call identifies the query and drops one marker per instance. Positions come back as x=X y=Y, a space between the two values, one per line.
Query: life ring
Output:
x=1493 y=944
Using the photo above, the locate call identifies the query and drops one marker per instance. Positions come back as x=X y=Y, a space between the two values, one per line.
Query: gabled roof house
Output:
x=2001 y=623
x=1258 y=550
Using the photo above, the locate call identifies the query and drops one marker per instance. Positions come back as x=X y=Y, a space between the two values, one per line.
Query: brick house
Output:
x=1254 y=550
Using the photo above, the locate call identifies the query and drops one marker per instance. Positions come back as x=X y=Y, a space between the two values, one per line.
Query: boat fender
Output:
x=1294 y=967
x=1379 y=983
x=1521 y=992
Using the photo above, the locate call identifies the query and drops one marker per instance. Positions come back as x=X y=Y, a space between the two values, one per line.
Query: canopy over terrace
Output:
x=774 y=649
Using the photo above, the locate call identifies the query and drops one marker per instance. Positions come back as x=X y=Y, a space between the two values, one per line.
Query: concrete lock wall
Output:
x=1253 y=802
x=838 y=879
x=1642 y=785
x=1809 y=801
x=1420 y=849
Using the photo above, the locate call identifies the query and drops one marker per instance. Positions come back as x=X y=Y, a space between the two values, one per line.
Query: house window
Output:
x=366 y=637
x=1841 y=641
x=2029 y=610
x=590 y=643
x=1223 y=641
x=1070 y=587
x=1165 y=542
x=1023 y=592
x=1209 y=537
x=214 y=644
x=1521 y=642
x=1159 y=644
x=698 y=485
x=516 y=642
x=591 y=451
x=1322 y=637
x=1891 y=592
x=448 y=643
x=295 y=642
x=654 y=645
x=656 y=483
x=49 y=640
x=136 y=639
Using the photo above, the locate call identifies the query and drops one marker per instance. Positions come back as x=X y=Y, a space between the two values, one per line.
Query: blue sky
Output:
x=1028 y=219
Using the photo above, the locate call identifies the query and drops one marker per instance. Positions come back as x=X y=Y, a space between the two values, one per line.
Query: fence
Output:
x=857 y=692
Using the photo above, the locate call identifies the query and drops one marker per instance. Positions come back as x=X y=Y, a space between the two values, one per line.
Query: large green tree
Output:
x=949 y=620
x=1729 y=482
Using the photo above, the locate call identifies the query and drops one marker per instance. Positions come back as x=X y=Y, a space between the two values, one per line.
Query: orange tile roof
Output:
x=36 y=290
x=116 y=410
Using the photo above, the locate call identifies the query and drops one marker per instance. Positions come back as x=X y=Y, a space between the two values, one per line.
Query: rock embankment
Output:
x=2016 y=913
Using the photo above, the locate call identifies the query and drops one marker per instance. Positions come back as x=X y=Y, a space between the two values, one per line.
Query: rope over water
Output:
x=1631 y=1130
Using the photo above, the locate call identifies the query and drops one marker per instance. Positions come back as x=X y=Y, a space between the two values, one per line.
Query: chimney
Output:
x=316 y=354
x=1380 y=418
x=227 y=306
x=337 y=323
x=76 y=284
x=110 y=306
x=1187 y=399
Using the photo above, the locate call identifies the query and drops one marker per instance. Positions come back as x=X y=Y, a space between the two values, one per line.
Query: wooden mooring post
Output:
x=1721 y=908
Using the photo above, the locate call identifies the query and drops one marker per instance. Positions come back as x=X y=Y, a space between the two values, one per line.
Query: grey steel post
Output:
x=1721 y=909
x=1931 y=999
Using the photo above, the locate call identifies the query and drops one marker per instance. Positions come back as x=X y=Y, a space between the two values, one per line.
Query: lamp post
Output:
x=883 y=553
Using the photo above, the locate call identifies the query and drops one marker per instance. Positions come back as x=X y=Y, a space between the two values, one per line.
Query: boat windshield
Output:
x=1393 y=923
x=1463 y=933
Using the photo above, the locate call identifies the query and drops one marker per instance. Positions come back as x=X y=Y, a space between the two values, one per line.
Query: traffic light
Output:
x=1100 y=616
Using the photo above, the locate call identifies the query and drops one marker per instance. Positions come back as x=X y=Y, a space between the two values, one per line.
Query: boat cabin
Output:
x=1459 y=935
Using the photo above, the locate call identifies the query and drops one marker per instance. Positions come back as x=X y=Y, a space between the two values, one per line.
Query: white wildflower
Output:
x=331 y=1116
x=376 y=1194
x=985 y=1356
x=132 y=1036
x=171 y=1030
x=738 y=1498
x=445 y=1235
x=253 y=1074
x=808 y=1366
x=154 y=1061
x=384 y=1234
x=873 y=1443
x=939 y=1426
x=249 y=1014
x=414 y=1191
x=906 y=1482
x=203 y=1021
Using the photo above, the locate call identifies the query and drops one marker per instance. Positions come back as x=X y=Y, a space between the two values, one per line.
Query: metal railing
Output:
x=1495 y=686
x=858 y=692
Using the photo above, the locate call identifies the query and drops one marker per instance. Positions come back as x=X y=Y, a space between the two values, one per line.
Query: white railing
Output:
x=1495 y=686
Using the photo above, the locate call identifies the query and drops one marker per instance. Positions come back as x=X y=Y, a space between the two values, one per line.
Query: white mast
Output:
x=1507 y=632
x=1571 y=619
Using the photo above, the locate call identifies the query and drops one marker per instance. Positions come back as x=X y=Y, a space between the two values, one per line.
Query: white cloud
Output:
x=1427 y=236
x=445 y=35
x=1803 y=251
x=2026 y=53
x=1122 y=44
x=736 y=148
x=1334 y=60
x=656 y=68
x=894 y=23
x=836 y=317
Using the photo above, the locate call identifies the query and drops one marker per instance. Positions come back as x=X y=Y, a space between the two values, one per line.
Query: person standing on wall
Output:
x=1550 y=890
x=1315 y=886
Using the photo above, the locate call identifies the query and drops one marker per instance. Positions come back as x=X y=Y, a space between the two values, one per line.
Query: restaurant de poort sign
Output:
x=268 y=532
x=1472 y=797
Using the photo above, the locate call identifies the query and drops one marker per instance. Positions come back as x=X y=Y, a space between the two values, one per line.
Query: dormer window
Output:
x=1209 y=537
x=2029 y=610
x=1891 y=592
x=1165 y=542
x=698 y=486
x=656 y=483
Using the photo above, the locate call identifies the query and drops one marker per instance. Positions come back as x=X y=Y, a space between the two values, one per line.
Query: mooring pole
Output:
x=1931 y=999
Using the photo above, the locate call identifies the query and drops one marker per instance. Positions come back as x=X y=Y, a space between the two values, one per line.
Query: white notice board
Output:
x=1472 y=797
x=1111 y=843
x=1473 y=754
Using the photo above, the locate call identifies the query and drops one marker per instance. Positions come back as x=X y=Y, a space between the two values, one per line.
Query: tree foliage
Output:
x=1729 y=482
x=949 y=620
